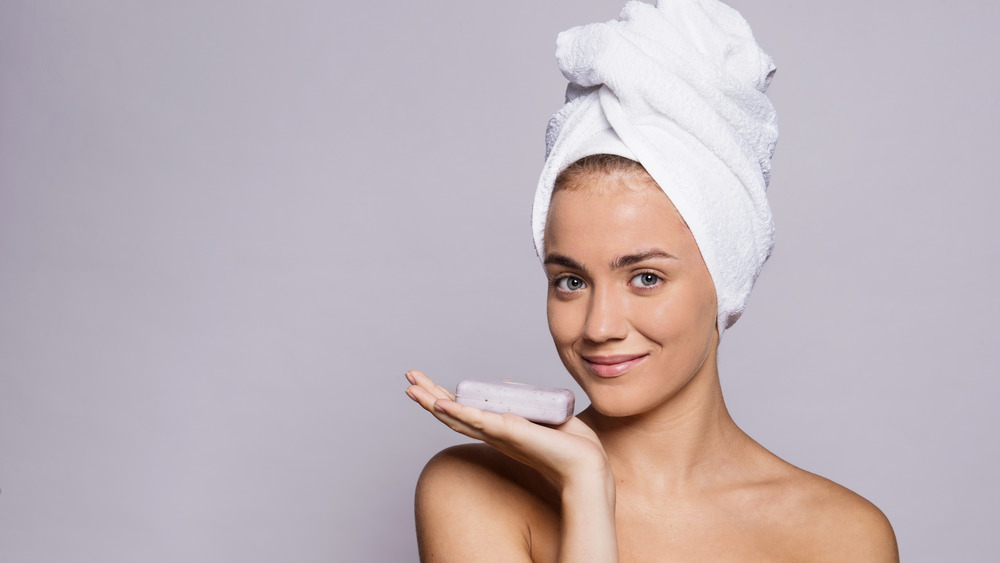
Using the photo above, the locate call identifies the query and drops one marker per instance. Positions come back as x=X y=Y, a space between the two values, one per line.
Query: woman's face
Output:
x=631 y=305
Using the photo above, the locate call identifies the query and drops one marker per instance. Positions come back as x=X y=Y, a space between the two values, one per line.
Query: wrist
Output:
x=588 y=519
x=589 y=487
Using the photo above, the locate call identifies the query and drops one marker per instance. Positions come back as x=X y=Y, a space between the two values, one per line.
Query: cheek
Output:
x=564 y=321
x=662 y=320
x=683 y=317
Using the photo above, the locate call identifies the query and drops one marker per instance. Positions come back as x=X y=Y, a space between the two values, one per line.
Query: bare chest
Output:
x=696 y=533
x=683 y=532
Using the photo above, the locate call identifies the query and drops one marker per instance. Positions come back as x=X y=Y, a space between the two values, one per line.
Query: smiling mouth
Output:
x=613 y=366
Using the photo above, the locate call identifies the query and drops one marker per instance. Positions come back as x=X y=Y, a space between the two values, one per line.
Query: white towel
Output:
x=679 y=87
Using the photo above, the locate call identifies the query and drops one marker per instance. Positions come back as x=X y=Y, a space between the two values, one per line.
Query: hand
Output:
x=566 y=454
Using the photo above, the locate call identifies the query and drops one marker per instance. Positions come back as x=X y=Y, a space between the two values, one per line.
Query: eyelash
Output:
x=659 y=281
x=558 y=282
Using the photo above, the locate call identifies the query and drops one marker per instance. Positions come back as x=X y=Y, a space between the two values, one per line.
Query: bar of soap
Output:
x=548 y=405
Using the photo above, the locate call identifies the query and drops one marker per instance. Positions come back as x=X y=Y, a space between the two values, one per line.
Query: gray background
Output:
x=227 y=228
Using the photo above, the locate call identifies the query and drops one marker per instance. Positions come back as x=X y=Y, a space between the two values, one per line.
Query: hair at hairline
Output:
x=613 y=165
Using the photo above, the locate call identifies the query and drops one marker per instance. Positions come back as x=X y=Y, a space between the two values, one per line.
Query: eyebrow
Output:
x=633 y=259
x=618 y=263
x=563 y=260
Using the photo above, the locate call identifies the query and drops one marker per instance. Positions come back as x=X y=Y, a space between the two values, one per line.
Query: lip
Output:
x=613 y=366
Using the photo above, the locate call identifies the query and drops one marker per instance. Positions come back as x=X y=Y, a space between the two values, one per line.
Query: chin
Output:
x=613 y=411
x=619 y=403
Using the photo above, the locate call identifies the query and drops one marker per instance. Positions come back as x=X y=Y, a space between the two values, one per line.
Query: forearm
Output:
x=588 y=521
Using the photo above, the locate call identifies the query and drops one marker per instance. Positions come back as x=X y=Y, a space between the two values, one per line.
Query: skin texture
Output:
x=655 y=469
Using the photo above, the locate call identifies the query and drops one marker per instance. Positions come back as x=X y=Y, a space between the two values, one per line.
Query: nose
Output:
x=607 y=316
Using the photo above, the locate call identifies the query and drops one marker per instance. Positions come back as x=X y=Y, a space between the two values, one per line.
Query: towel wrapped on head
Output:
x=678 y=87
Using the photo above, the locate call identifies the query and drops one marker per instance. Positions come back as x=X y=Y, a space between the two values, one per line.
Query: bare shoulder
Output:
x=476 y=504
x=833 y=523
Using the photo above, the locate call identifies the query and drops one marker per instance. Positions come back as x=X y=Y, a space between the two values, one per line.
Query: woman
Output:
x=652 y=224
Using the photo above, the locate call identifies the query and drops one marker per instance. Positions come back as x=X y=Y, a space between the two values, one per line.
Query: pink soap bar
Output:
x=548 y=405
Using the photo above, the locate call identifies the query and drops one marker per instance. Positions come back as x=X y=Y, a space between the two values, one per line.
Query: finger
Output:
x=429 y=402
x=508 y=433
x=422 y=396
x=493 y=427
x=417 y=377
x=448 y=394
x=466 y=420
x=490 y=427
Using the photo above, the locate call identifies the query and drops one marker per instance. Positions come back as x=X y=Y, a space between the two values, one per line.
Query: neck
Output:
x=689 y=440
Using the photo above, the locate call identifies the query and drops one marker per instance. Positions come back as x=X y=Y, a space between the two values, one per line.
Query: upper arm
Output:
x=850 y=528
x=467 y=509
x=865 y=534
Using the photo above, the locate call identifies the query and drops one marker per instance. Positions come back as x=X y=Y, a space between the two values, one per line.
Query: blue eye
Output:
x=570 y=283
x=646 y=279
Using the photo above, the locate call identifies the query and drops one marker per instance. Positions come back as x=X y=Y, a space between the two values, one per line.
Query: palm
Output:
x=559 y=452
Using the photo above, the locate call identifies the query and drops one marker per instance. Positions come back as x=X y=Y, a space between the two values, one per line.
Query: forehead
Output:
x=614 y=214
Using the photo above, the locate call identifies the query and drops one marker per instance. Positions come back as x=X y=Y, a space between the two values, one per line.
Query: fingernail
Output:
x=437 y=405
x=410 y=395
x=410 y=378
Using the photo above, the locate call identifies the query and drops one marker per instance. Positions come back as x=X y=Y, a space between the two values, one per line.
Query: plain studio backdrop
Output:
x=227 y=228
